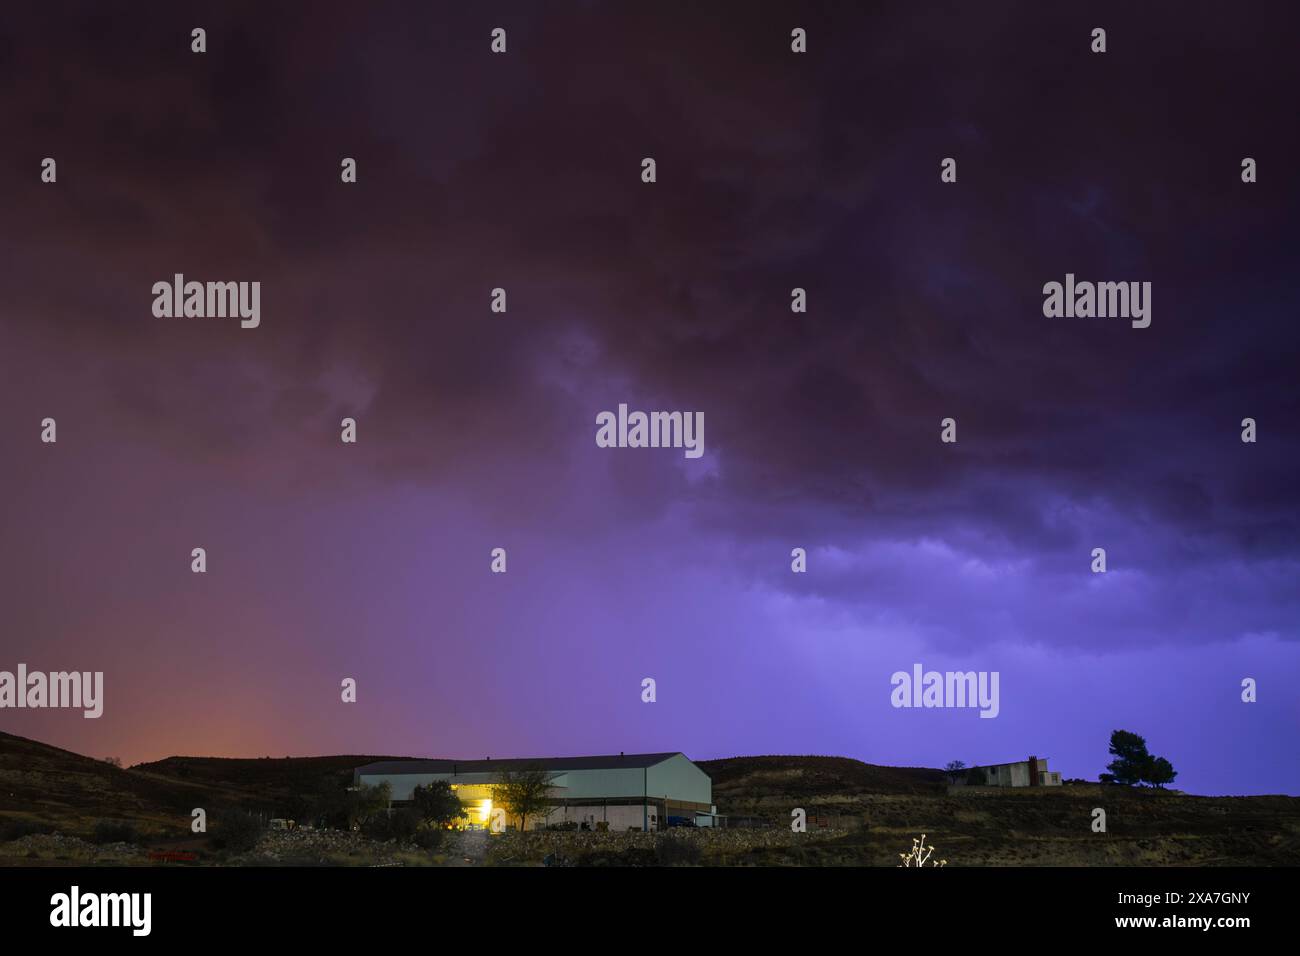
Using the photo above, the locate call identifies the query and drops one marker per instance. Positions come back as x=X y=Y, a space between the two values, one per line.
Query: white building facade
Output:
x=614 y=792
x=1023 y=773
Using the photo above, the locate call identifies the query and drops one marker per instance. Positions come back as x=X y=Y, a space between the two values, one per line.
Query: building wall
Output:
x=1008 y=775
x=675 y=778
x=679 y=779
x=590 y=784
x=1017 y=774
x=619 y=817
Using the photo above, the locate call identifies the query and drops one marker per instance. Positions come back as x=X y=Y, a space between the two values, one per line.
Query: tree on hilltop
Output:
x=1133 y=764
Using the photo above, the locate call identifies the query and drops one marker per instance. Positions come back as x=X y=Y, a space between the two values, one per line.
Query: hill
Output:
x=760 y=785
x=280 y=786
x=46 y=786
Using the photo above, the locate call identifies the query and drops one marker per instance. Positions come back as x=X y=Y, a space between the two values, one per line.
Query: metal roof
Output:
x=1010 y=763
x=555 y=764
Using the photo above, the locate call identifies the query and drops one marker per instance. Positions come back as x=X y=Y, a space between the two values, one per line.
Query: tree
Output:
x=437 y=804
x=328 y=806
x=524 y=793
x=364 y=802
x=1160 y=772
x=1134 y=765
x=1131 y=758
x=955 y=770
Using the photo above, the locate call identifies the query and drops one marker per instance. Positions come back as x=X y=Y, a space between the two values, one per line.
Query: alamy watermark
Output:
x=75 y=908
x=1124 y=300
x=82 y=690
x=178 y=298
x=651 y=430
x=948 y=689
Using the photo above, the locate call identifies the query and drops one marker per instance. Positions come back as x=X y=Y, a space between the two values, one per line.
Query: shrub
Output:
x=429 y=838
x=115 y=831
x=11 y=830
x=677 y=851
x=378 y=828
x=631 y=856
x=238 y=831
x=403 y=824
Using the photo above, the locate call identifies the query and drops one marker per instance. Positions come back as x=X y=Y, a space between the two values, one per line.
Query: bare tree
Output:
x=524 y=793
x=363 y=803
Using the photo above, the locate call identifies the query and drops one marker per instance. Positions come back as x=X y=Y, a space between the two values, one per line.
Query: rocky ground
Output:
x=684 y=846
x=57 y=848
x=326 y=848
x=537 y=848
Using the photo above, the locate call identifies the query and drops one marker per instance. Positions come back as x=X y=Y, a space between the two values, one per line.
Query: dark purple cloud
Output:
x=822 y=430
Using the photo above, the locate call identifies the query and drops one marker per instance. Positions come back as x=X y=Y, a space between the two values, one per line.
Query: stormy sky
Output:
x=476 y=430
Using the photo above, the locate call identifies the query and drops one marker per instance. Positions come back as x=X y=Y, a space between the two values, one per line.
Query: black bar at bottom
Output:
x=201 y=906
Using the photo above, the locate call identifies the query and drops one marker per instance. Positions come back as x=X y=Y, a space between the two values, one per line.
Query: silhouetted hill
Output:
x=43 y=784
x=279 y=780
x=71 y=793
x=748 y=784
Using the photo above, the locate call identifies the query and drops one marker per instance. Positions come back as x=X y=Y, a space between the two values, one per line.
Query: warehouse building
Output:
x=1024 y=773
x=617 y=792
